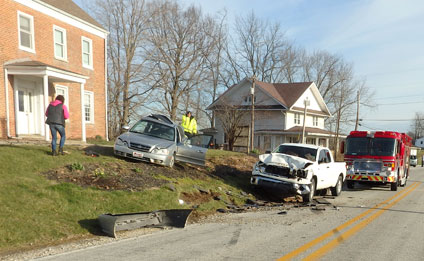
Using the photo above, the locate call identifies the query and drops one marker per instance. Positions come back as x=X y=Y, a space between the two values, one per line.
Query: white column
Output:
x=6 y=88
x=317 y=141
x=46 y=104
x=82 y=114
x=106 y=114
x=16 y=99
x=326 y=142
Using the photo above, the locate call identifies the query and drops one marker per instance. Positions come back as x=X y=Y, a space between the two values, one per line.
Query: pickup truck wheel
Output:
x=337 y=190
x=349 y=184
x=308 y=197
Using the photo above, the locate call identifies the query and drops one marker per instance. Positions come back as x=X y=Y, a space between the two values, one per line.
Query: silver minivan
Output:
x=159 y=140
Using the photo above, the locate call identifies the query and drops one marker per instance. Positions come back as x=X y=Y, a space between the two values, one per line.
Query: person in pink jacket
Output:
x=56 y=114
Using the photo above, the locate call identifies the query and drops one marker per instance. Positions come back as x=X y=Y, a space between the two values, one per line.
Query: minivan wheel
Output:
x=171 y=161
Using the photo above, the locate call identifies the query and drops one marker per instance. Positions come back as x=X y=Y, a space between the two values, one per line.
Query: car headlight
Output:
x=259 y=167
x=158 y=150
x=121 y=142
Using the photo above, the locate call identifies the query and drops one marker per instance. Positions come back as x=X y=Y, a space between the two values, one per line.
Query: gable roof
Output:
x=73 y=9
x=285 y=93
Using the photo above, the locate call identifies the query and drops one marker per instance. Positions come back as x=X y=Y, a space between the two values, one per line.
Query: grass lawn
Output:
x=36 y=211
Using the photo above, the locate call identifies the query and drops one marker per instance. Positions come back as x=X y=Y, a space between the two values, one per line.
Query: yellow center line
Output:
x=332 y=244
x=337 y=230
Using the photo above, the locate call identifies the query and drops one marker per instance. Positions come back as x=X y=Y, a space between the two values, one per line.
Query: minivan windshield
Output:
x=306 y=153
x=370 y=146
x=154 y=129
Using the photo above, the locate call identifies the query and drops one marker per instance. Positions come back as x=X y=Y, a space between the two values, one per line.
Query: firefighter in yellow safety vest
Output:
x=189 y=124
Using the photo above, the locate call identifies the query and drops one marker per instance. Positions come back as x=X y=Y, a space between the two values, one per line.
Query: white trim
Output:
x=32 y=42
x=91 y=95
x=15 y=98
x=89 y=66
x=6 y=87
x=63 y=16
x=64 y=44
x=106 y=97
x=43 y=70
x=83 y=133
x=46 y=104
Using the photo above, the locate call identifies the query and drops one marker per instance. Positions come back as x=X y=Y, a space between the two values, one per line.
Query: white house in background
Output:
x=279 y=110
x=419 y=142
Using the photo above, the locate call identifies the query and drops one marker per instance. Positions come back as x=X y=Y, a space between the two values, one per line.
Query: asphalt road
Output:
x=368 y=223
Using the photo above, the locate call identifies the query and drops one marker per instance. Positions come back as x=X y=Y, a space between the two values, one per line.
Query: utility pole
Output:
x=306 y=103
x=357 y=110
x=252 y=115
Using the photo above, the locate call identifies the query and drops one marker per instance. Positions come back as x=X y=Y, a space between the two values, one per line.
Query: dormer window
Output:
x=248 y=99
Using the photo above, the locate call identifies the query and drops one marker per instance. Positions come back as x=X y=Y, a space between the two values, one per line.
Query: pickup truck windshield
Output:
x=370 y=146
x=302 y=152
x=154 y=129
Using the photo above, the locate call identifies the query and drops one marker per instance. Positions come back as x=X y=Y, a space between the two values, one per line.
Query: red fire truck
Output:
x=377 y=157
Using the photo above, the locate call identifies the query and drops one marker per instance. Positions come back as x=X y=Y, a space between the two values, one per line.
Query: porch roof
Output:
x=298 y=130
x=36 y=68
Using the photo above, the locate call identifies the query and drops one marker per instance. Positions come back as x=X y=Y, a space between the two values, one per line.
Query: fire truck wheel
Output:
x=337 y=190
x=394 y=185
x=349 y=184
x=308 y=197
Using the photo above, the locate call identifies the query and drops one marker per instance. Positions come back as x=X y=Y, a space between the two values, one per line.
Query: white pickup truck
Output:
x=299 y=169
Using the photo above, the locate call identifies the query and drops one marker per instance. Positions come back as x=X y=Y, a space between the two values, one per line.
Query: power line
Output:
x=396 y=97
x=399 y=103
x=362 y=125
x=386 y=119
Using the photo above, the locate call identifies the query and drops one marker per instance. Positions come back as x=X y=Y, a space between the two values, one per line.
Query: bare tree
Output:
x=231 y=118
x=417 y=126
x=178 y=40
x=127 y=22
x=260 y=49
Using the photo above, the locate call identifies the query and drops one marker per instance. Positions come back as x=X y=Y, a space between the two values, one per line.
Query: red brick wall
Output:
x=44 y=52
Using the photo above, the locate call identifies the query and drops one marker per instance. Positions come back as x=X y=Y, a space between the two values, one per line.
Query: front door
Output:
x=194 y=150
x=27 y=108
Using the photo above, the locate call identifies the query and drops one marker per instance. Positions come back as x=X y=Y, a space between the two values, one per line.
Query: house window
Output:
x=315 y=120
x=311 y=141
x=59 y=36
x=63 y=90
x=248 y=99
x=87 y=53
x=89 y=107
x=26 y=32
x=293 y=140
x=297 y=118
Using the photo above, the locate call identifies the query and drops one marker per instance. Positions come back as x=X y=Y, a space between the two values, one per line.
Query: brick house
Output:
x=279 y=111
x=47 y=48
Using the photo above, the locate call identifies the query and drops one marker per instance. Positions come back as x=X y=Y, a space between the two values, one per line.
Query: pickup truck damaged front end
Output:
x=284 y=173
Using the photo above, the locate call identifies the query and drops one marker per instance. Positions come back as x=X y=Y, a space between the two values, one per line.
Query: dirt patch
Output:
x=197 y=198
x=136 y=176
x=122 y=175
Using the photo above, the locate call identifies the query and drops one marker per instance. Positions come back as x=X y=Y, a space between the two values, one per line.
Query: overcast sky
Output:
x=384 y=39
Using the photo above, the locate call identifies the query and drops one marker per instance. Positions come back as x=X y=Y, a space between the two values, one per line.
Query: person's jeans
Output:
x=54 y=128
